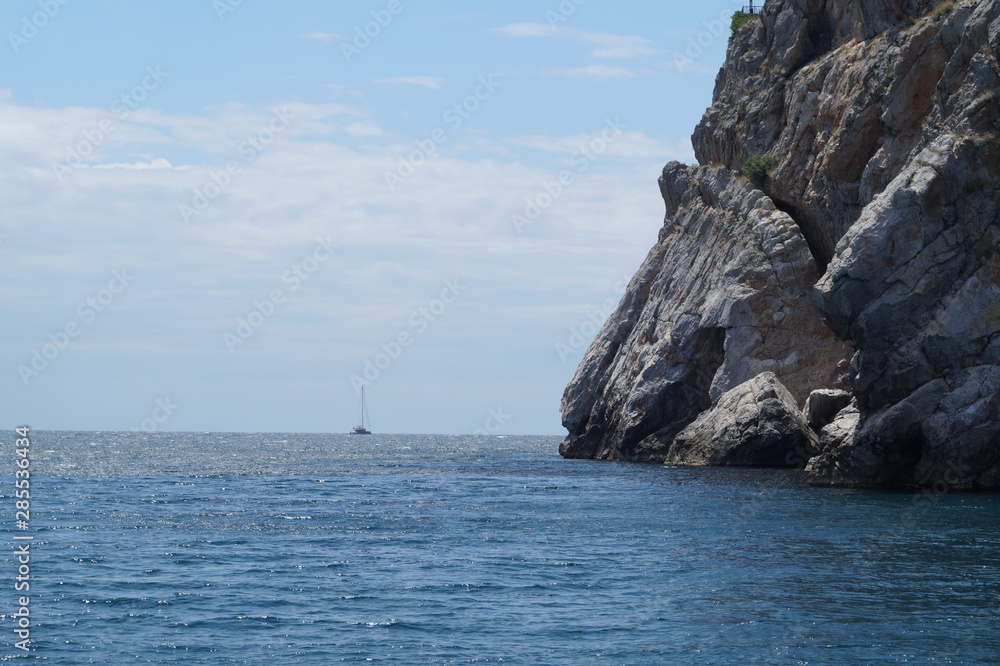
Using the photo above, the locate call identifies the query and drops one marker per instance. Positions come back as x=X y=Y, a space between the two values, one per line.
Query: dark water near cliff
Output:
x=310 y=549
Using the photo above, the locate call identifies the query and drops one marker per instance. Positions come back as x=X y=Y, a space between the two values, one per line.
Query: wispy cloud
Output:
x=625 y=51
x=125 y=211
x=321 y=36
x=194 y=280
x=594 y=72
x=610 y=47
x=432 y=82
x=631 y=145
x=681 y=63
x=526 y=30
x=615 y=46
x=158 y=163
x=364 y=128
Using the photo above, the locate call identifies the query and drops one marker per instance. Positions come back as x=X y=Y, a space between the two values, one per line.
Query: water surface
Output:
x=317 y=549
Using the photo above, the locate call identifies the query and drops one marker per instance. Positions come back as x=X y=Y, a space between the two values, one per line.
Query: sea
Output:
x=262 y=548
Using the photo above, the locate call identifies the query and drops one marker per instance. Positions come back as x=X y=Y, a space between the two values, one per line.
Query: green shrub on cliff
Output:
x=756 y=168
x=740 y=19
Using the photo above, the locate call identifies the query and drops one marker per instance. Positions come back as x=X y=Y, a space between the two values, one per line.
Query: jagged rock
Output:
x=723 y=296
x=841 y=429
x=882 y=121
x=836 y=93
x=837 y=433
x=915 y=283
x=822 y=406
x=944 y=435
x=882 y=452
x=755 y=424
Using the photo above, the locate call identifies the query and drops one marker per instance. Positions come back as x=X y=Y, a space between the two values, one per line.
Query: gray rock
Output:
x=915 y=281
x=841 y=430
x=943 y=436
x=822 y=406
x=883 y=450
x=836 y=435
x=882 y=120
x=883 y=123
x=723 y=296
x=836 y=94
x=756 y=424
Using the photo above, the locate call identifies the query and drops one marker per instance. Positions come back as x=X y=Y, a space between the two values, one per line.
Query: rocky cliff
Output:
x=863 y=259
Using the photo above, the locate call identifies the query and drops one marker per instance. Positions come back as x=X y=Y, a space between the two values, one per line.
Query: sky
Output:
x=232 y=215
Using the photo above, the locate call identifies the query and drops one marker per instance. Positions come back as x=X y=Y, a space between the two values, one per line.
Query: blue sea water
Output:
x=207 y=548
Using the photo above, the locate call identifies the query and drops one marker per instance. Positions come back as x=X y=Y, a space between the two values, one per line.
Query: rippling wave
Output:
x=317 y=549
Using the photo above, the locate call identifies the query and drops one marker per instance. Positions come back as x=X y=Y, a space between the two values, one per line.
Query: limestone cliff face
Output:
x=723 y=296
x=836 y=92
x=882 y=121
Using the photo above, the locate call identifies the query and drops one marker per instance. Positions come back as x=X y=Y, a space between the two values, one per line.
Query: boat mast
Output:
x=365 y=416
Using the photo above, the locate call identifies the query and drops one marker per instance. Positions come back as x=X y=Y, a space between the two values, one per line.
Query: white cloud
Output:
x=615 y=46
x=321 y=36
x=296 y=189
x=526 y=30
x=594 y=72
x=452 y=218
x=681 y=63
x=630 y=145
x=364 y=128
x=158 y=163
x=625 y=51
x=611 y=46
x=432 y=82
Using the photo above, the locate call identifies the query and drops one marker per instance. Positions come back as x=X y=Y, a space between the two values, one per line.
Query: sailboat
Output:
x=361 y=429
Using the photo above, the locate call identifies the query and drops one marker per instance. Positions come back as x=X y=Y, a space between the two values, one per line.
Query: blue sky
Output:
x=225 y=215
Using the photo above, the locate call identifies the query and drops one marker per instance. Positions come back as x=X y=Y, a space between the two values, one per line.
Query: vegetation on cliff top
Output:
x=740 y=19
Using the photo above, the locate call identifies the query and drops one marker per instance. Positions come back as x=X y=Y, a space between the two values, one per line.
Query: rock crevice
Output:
x=723 y=296
x=866 y=260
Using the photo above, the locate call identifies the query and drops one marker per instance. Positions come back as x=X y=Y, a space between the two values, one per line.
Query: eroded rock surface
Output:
x=756 y=424
x=723 y=296
x=882 y=122
x=822 y=406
